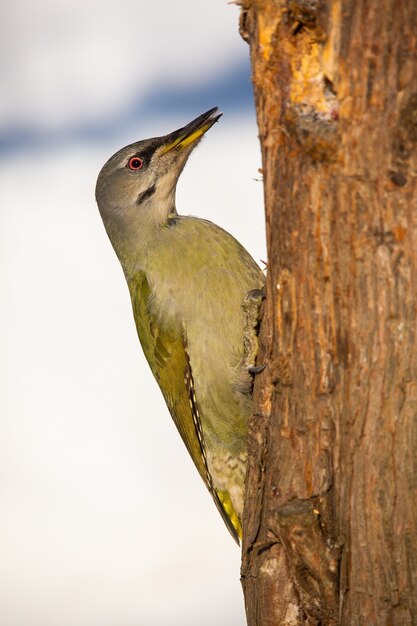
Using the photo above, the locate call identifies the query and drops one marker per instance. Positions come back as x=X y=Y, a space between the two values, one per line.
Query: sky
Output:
x=103 y=518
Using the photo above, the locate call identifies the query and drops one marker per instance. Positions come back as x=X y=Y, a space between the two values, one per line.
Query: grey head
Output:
x=135 y=189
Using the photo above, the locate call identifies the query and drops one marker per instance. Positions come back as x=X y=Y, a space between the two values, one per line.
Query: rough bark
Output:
x=330 y=524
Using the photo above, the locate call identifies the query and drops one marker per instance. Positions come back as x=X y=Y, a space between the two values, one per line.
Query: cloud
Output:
x=79 y=61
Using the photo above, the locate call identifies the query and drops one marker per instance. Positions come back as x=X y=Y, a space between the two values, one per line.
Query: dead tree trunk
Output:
x=330 y=527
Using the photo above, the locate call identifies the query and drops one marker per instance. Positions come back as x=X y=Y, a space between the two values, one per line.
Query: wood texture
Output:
x=330 y=524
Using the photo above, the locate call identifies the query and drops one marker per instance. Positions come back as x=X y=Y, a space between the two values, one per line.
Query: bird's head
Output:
x=137 y=184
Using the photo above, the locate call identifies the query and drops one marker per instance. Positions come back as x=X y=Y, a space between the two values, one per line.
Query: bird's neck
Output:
x=135 y=233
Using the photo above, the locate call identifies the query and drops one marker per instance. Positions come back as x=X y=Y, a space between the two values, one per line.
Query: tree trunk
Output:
x=330 y=524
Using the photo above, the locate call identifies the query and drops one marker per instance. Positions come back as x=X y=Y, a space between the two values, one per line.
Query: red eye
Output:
x=135 y=163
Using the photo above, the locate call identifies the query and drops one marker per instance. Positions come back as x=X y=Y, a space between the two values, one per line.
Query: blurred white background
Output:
x=103 y=518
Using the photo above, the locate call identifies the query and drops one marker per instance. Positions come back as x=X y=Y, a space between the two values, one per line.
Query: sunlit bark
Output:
x=330 y=528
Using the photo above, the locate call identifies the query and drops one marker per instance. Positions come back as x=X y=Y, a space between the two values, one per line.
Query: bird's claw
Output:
x=256 y=369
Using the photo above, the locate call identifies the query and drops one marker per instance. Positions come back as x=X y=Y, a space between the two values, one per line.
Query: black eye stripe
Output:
x=145 y=155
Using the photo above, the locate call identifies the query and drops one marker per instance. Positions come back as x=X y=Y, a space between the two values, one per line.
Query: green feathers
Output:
x=168 y=356
x=189 y=308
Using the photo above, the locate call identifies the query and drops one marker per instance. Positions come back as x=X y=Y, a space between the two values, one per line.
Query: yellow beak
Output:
x=192 y=132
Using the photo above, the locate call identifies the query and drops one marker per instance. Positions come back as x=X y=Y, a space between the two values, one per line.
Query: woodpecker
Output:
x=195 y=294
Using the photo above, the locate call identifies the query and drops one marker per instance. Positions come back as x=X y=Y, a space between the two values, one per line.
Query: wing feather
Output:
x=169 y=360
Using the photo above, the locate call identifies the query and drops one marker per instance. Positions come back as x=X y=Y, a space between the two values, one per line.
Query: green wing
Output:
x=167 y=355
